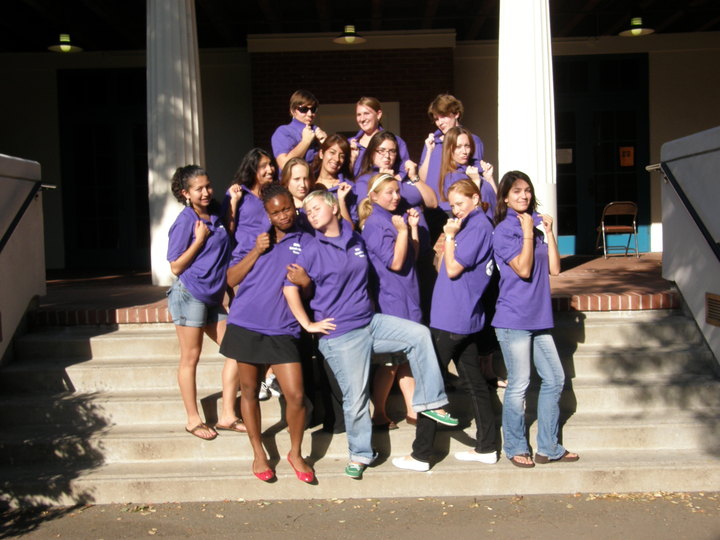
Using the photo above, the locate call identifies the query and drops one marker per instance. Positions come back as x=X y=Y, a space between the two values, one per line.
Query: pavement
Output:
x=638 y=516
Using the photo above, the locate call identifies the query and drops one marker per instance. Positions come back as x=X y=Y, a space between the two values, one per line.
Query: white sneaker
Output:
x=411 y=464
x=273 y=386
x=489 y=458
x=264 y=392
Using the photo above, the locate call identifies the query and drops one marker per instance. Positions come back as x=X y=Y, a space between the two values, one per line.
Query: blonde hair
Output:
x=327 y=197
x=376 y=183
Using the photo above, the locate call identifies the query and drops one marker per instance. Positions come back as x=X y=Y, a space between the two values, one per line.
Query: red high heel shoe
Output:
x=307 y=477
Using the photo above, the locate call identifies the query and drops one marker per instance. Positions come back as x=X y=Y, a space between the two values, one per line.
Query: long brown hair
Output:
x=506 y=184
x=344 y=145
x=448 y=164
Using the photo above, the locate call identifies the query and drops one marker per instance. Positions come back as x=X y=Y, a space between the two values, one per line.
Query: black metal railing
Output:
x=670 y=178
x=37 y=186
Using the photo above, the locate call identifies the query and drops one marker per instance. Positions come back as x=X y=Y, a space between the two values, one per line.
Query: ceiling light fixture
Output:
x=349 y=36
x=64 y=46
x=636 y=28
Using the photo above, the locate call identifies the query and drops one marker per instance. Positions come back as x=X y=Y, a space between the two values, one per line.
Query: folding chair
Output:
x=618 y=209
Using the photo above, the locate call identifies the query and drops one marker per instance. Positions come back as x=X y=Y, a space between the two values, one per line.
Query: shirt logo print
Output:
x=296 y=248
x=359 y=253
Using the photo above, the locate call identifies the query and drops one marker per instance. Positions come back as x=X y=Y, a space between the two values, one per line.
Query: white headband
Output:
x=379 y=180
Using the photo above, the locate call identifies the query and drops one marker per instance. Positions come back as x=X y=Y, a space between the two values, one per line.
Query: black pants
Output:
x=464 y=349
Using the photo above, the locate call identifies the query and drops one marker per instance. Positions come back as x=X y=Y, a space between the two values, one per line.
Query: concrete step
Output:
x=160 y=372
x=25 y=446
x=177 y=481
x=139 y=343
x=625 y=328
x=582 y=396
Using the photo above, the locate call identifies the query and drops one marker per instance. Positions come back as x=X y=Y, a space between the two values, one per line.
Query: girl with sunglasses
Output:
x=301 y=137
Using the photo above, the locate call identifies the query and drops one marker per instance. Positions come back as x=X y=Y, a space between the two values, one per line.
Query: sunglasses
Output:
x=303 y=109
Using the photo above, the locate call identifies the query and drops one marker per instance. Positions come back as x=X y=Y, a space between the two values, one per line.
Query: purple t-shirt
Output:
x=433 y=172
x=523 y=304
x=396 y=293
x=487 y=193
x=259 y=304
x=205 y=277
x=402 y=151
x=411 y=198
x=339 y=268
x=288 y=136
x=456 y=303
x=351 y=200
x=250 y=221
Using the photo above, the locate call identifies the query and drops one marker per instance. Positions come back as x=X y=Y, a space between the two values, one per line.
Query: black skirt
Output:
x=252 y=347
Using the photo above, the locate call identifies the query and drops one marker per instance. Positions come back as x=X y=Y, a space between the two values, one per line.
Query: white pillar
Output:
x=526 y=111
x=175 y=134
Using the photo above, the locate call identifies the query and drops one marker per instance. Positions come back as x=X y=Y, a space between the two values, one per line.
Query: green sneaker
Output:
x=355 y=470
x=441 y=418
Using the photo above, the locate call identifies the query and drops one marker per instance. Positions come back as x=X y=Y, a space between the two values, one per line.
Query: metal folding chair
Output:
x=618 y=210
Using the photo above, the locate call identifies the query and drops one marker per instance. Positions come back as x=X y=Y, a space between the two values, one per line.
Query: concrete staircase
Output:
x=93 y=414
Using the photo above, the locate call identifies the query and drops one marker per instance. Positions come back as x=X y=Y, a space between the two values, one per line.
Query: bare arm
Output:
x=523 y=263
x=308 y=135
x=453 y=268
x=401 y=244
x=429 y=146
x=239 y=271
x=179 y=265
x=553 y=252
x=292 y=295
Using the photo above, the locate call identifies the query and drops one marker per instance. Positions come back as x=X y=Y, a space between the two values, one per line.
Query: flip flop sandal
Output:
x=520 y=463
x=204 y=426
x=566 y=457
x=237 y=426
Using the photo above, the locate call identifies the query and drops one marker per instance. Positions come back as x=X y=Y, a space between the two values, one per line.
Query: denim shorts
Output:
x=186 y=310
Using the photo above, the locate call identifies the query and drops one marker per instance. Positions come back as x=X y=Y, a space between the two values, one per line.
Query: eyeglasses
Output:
x=303 y=109
x=387 y=151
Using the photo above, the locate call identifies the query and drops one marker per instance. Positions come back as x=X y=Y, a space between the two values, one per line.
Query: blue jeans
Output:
x=349 y=358
x=520 y=348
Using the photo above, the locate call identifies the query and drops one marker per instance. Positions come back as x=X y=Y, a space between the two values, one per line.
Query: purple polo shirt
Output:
x=205 y=277
x=396 y=293
x=259 y=304
x=411 y=198
x=251 y=220
x=339 y=268
x=287 y=137
x=351 y=199
x=456 y=303
x=433 y=172
x=523 y=304
x=402 y=151
x=487 y=193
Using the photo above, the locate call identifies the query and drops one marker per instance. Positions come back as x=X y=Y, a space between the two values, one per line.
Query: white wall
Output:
x=22 y=260
x=688 y=260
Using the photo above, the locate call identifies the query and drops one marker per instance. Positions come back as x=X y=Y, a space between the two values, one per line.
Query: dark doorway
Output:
x=602 y=132
x=103 y=148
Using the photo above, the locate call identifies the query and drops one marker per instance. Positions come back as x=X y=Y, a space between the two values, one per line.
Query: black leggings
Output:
x=464 y=350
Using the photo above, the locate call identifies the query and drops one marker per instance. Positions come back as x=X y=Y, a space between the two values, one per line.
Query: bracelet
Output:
x=414 y=180
x=449 y=237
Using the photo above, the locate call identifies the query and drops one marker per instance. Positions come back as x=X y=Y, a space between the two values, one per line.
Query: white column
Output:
x=175 y=134
x=526 y=111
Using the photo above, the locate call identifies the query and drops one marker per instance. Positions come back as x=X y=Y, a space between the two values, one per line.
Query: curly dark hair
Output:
x=181 y=179
x=273 y=189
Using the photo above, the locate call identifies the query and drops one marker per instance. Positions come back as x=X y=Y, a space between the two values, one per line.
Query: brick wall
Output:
x=412 y=77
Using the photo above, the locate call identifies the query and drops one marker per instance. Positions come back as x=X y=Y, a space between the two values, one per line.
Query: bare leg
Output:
x=230 y=382
x=190 y=339
x=250 y=407
x=407 y=387
x=291 y=382
x=382 y=384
